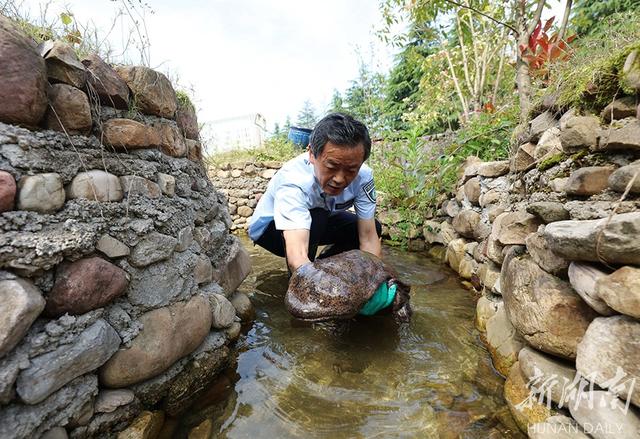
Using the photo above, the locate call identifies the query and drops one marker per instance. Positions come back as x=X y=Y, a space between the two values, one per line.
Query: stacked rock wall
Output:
x=116 y=262
x=553 y=245
x=243 y=183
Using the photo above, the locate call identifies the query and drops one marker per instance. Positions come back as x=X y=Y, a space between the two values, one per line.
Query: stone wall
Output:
x=117 y=267
x=243 y=183
x=553 y=248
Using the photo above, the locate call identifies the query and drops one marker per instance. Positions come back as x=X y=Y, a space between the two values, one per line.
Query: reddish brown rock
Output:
x=63 y=64
x=129 y=134
x=153 y=92
x=187 y=120
x=171 y=140
x=194 y=149
x=589 y=181
x=103 y=79
x=69 y=111
x=84 y=285
x=23 y=77
x=7 y=191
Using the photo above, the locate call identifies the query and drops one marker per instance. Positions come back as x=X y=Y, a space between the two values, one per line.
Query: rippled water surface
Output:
x=365 y=378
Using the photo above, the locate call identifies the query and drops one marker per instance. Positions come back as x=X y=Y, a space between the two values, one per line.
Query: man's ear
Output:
x=312 y=159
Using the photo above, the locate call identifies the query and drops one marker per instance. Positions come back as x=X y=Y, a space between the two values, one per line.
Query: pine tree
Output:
x=307 y=117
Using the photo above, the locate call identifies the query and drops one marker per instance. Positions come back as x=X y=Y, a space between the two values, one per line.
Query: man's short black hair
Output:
x=341 y=130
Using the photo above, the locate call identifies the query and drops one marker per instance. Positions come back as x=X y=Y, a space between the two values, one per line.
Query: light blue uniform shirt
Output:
x=294 y=190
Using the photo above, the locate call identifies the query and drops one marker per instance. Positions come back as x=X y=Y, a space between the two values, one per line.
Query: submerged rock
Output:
x=337 y=287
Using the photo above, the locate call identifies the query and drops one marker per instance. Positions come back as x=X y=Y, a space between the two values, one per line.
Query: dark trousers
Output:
x=339 y=230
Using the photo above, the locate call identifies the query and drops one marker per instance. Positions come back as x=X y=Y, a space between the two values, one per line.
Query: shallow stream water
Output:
x=366 y=378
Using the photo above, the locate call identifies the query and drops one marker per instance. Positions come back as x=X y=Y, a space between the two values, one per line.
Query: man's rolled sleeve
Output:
x=290 y=209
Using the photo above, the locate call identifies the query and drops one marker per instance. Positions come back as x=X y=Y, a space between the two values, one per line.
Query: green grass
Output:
x=589 y=80
x=274 y=149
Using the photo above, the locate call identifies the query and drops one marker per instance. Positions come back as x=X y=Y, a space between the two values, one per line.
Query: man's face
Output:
x=337 y=166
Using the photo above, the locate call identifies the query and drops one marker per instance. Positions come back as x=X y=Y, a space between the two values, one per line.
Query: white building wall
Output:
x=242 y=132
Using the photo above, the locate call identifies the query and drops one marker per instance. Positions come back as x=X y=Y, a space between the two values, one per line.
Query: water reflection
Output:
x=363 y=378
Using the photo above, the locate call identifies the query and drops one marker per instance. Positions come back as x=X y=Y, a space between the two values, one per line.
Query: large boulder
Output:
x=84 y=285
x=466 y=223
x=616 y=241
x=168 y=334
x=621 y=290
x=172 y=142
x=70 y=111
x=609 y=355
x=152 y=91
x=21 y=304
x=112 y=91
x=512 y=228
x=545 y=258
x=543 y=308
x=49 y=372
x=23 y=77
x=63 y=64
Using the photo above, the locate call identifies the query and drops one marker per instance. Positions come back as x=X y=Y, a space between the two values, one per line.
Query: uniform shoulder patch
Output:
x=370 y=190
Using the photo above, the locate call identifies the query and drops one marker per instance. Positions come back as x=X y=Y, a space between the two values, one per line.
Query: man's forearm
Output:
x=368 y=237
x=296 y=247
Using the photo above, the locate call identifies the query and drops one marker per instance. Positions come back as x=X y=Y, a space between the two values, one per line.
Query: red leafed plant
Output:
x=543 y=49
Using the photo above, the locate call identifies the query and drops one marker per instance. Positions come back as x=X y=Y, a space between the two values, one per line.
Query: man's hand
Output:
x=297 y=247
x=369 y=240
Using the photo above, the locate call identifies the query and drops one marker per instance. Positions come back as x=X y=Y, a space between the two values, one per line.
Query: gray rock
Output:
x=548 y=145
x=558 y=184
x=104 y=424
x=21 y=304
x=609 y=355
x=625 y=135
x=153 y=248
x=167 y=184
x=472 y=190
x=579 y=132
x=630 y=75
x=619 y=109
x=109 y=400
x=95 y=185
x=134 y=185
x=543 y=308
x=233 y=331
x=621 y=290
x=545 y=258
x=493 y=169
x=160 y=283
x=49 y=372
x=203 y=271
x=26 y=421
x=503 y=340
x=10 y=367
x=583 y=279
x=542 y=123
x=603 y=416
x=620 y=179
x=185 y=238
x=111 y=247
x=466 y=223
x=223 y=311
x=548 y=211
x=550 y=376
x=42 y=193
x=619 y=239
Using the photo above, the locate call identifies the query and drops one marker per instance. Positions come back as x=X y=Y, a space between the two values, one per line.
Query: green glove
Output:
x=382 y=298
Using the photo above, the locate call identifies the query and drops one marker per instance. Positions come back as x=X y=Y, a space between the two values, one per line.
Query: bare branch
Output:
x=495 y=20
x=565 y=20
x=536 y=17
